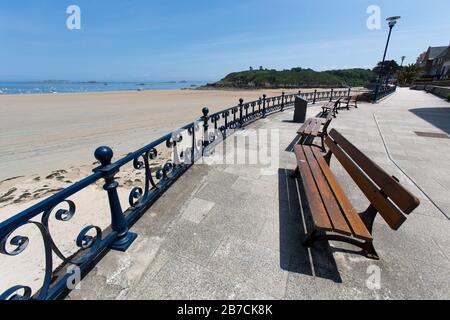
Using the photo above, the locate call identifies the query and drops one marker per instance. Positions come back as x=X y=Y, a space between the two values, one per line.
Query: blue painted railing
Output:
x=93 y=242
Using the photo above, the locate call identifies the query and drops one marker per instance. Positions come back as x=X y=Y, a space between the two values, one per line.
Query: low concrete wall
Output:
x=436 y=83
x=442 y=92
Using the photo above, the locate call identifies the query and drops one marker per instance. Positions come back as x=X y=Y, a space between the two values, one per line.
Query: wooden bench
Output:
x=313 y=128
x=331 y=108
x=347 y=102
x=334 y=217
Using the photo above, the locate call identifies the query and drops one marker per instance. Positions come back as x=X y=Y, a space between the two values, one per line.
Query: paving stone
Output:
x=196 y=210
x=257 y=187
x=181 y=279
x=193 y=241
x=251 y=264
x=240 y=224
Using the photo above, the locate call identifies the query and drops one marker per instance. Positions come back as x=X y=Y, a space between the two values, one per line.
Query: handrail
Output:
x=93 y=241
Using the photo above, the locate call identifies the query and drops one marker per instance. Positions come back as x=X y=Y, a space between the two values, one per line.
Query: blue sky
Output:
x=206 y=39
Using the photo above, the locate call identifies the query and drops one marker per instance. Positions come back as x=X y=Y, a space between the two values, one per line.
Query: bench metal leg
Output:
x=368 y=217
x=310 y=238
x=322 y=138
x=368 y=250
x=327 y=157
x=296 y=173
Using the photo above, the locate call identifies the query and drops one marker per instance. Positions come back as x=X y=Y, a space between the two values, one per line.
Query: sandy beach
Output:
x=43 y=133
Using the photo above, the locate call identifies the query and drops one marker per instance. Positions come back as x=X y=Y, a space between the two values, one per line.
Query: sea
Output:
x=92 y=86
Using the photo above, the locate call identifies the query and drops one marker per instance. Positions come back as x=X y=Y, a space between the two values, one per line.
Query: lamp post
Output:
x=391 y=22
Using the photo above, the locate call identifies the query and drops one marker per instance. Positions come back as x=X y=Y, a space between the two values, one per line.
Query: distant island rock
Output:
x=294 y=78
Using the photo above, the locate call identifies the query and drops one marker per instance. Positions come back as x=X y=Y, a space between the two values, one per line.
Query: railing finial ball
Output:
x=241 y=101
x=104 y=155
x=205 y=111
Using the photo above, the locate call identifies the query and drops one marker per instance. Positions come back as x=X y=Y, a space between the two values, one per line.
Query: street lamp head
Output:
x=392 y=21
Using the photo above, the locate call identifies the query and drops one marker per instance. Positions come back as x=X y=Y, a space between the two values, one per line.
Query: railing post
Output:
x=315 y=96
x=241 y=112
x=282 y=100
x=349 y=92
x=331 y=95
x=119 y=225
x=300 y=92
x=193 y=144
x=205 y=118
x=259 y=105
x=264 y=106
x=375 y=93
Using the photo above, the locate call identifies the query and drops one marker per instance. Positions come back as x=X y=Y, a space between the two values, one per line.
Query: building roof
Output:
x=444 y=53
x=434 y=52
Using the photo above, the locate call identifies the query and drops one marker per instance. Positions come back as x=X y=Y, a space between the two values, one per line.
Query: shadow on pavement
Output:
x=438 y=117
x=317 y=261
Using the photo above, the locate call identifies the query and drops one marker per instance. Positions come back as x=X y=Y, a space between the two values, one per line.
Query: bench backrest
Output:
x=384 y=192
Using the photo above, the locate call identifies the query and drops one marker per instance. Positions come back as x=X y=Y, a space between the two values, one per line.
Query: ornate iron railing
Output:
x=92 y=241
x=383 y=91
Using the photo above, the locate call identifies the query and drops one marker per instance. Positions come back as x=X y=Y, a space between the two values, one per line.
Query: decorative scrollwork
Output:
x=163 y=172
x=65 y=215
x=20 y=243
x=85 y=241
x=136 y=196
x=174 y=140
x=12 y=293
x=153 y=154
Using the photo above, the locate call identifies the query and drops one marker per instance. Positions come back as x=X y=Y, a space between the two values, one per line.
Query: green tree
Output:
x=386 y=69
x=408 y=74
x=297 y=77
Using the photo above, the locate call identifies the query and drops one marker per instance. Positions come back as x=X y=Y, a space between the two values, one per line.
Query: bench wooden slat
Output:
x=308 y=128
x=391 y=214
x=303 y=128
x=320 y=217
x=317 y=125
x=400 y=196
x=356 y=224
x=334 y=212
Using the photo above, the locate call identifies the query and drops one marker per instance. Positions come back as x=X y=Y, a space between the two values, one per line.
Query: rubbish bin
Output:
x=300 y=109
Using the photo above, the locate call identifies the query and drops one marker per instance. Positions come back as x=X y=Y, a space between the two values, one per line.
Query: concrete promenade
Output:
x=233 y=231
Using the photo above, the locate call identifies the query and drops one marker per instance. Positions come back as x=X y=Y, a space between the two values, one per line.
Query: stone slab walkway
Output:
x=234 y=231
